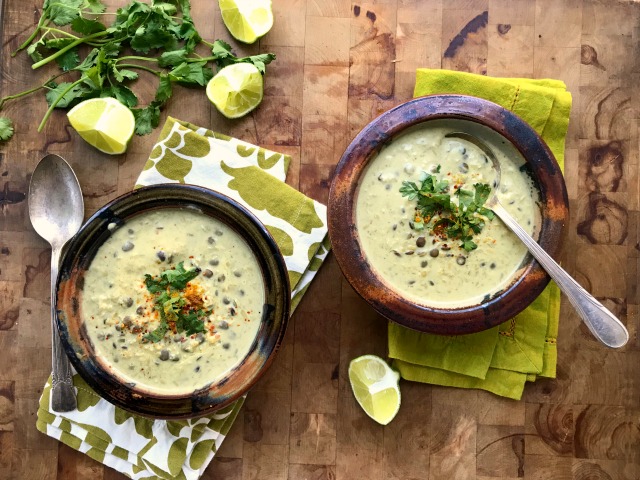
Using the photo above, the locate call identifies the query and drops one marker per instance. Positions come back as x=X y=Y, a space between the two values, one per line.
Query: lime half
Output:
x=247 y=20
x=375 y=386
x=236 y=89
x=104 y=123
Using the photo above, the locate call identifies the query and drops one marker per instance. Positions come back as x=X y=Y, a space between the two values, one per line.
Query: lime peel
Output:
x=375 y=386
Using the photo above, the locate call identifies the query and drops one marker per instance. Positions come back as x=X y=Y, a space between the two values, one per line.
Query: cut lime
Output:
x=104 y=123
x=236 y=89
x=247 y=20
x=375 y=386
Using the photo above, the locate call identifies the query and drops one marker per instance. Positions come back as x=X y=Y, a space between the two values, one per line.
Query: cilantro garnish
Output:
x=176 y=312
x=160 y=34
x=6 y=129
x=445 y=218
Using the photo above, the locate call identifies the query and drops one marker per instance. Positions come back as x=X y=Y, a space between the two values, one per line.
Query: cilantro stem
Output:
x=61 y=32
x=136 y=57
x=34 y=34
x=140 y=67
x=3 y=100
x=73 y=44
x=56 y=101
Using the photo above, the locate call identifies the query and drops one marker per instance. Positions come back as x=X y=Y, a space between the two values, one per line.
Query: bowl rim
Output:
x=237 y=381
x=343 y=232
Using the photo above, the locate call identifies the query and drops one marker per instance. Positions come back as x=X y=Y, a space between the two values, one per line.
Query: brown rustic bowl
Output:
x=135 y=398
x=344 y=234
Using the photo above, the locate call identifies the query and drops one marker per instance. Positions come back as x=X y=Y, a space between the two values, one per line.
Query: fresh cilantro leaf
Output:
x=224 y=56
x=63 y=12
x=57 y=43
x=123 y=94
x=69 y=60
x=482 y=193
x=191 y=323
x=95 y=6
x=86 y=26
x=165 y=90
x=165 y=7
x=443 y=217
x=465 y=197
x=77 y=93
x=147 y=118
x=34 y=50
x=6 y=129
x=173 y=57
x=179 y=277
x=261 y=60
x=158 y=333
x=469 y=245
x=122 y=75
x=409 y=189
x=191 y=73
x=152 y=34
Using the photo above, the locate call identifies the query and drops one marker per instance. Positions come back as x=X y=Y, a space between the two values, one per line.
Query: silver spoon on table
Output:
x=56 y=210
x=601 y=322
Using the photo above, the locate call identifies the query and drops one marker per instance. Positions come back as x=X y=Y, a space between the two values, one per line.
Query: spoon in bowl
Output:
x=601 y=322
x=56 y=210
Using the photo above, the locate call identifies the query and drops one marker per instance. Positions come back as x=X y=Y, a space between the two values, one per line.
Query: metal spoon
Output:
x=601 y=322
x=56 y=210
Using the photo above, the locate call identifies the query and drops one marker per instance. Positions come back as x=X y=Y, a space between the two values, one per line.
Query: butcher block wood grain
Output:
x=340 y=63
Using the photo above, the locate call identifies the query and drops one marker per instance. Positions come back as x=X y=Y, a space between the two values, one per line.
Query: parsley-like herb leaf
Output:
x=6 y=129
x=436 y=211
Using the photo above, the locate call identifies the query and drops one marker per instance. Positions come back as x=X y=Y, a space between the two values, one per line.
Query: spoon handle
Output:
x=603 y=324
x=63 y=395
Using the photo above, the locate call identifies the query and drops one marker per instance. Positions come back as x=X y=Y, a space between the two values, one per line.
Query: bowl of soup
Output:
x=408 y=222
x=172 y=301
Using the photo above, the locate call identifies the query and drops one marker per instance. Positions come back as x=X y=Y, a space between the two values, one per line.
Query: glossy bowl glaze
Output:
x=79 y=347
x=495 y=309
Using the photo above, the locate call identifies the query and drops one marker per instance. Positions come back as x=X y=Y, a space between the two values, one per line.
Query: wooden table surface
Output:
x=340 y=64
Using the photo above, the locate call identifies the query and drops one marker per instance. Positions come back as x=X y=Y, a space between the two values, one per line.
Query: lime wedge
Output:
x=247 y=20
x=236 y=89
x=375 y=386
x=104 y=123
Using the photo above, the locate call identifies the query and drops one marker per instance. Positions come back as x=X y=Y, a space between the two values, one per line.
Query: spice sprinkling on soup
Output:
x=173 y=300
x=422 y=221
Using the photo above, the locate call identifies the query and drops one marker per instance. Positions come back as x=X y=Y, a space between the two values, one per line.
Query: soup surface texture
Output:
x=173 y=300
x=422 y=260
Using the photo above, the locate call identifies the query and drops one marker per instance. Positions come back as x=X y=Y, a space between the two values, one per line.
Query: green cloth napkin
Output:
x=502 y=359
x=143 y=448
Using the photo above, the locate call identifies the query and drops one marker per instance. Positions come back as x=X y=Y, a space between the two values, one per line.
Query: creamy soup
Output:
x=173 y=300
x=422 y=257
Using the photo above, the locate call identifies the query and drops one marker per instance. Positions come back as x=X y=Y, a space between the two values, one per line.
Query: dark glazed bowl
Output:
x=342 y=214
x=237 y=381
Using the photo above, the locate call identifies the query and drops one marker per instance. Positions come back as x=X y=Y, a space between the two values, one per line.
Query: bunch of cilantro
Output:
x=171 y=304
x=437 y=212
x=158 y=38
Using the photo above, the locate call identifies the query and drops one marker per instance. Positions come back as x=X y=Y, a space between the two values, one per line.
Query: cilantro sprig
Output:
x=6 y=129
x=161 y=35
x=176 y=312
x=439 y=215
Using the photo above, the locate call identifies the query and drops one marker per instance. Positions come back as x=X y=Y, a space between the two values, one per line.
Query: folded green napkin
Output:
x=158 y=449
x=503 y=358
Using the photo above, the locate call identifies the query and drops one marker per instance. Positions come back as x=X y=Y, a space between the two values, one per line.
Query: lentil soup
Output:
x=420 y=257
x=173 y=300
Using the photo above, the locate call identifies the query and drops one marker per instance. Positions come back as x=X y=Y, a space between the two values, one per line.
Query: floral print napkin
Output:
x=143 y=448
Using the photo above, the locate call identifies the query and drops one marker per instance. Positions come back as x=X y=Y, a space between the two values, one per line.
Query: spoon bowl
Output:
x=56 y=211
x=603 y=324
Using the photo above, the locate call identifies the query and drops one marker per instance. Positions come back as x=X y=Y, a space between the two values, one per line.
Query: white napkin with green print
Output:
x=143 y=448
